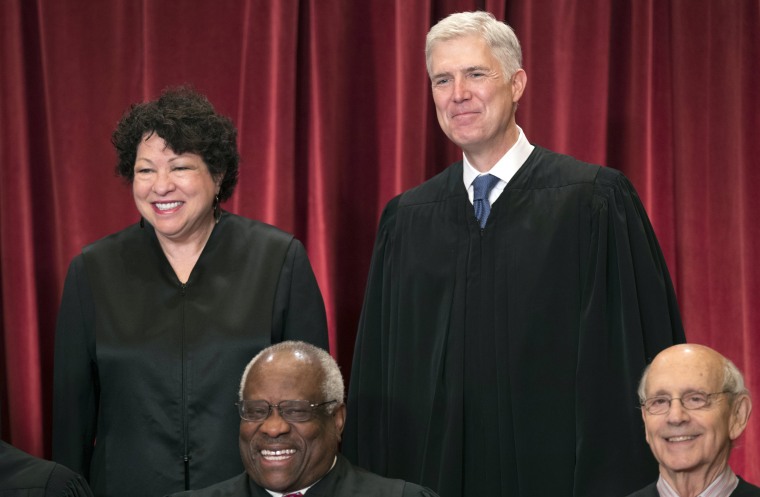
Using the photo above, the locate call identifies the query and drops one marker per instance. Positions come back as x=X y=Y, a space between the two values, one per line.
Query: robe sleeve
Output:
x=369 y=372
x=64 y=483
x=299 y=311
x=629 y=313
x=75 y=385
x=412 y=490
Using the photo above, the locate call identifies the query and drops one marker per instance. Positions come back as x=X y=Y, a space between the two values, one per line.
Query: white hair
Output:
x=332 y=381
x=499 y=37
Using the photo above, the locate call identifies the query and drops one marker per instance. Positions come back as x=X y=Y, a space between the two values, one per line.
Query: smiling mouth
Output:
x=165 y=206
x=682 y=438
x=277 y=455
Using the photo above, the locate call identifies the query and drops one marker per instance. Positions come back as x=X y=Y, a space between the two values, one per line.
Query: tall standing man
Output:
x=512 y=302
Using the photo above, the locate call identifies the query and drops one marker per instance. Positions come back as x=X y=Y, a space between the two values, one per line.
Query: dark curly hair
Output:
x=188 y=123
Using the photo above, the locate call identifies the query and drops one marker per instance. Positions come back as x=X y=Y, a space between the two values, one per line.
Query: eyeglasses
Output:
x=690 y=401
x=292 y=411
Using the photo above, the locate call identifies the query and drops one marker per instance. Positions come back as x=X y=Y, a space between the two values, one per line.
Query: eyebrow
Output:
x=467 y=69
x=661 y=392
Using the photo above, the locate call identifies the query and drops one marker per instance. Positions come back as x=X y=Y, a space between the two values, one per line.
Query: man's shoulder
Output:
x=353 y=480
x=545 y=168
x=21 y=470
x=746 y=489
x=236 y=486
x=437 y=188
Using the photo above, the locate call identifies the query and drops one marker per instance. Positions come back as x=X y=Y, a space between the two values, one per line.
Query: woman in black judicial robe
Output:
x=158 y=321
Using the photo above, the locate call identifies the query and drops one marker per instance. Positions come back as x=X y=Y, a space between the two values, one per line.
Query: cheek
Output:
x=247 y=431
x=440 y=101
x=138 y=189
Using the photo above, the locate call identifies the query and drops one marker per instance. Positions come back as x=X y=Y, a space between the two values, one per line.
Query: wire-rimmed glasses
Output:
x=292 y=411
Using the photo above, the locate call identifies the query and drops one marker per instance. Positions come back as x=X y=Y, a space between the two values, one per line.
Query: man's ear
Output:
x=519 y=82
x=740 y=411
x=339 y=418
x=644 y=420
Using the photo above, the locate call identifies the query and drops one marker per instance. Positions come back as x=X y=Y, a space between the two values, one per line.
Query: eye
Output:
x=257 y=412
x=659 y=401
x=695 y=400
x=296 y=412
x=440 y=81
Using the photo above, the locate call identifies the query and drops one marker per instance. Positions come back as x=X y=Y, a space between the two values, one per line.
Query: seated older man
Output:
x=292 y=415
x=694 y=406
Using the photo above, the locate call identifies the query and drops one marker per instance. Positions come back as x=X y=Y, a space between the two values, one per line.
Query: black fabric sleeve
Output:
x=65 y=483
x=299 y=311
x=629 y=313
x=366 y=406
x=75 y=385
x=412 y=490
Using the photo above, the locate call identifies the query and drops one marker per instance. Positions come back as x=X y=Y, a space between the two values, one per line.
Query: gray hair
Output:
x=733 y=381
x=499 y=37
x=332 y=381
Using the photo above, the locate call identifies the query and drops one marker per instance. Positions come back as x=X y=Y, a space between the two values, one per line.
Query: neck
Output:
x=183 y=253
x=484 y=158
x=692 y=483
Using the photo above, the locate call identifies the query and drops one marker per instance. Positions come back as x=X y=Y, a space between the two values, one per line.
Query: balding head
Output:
x=694 y=406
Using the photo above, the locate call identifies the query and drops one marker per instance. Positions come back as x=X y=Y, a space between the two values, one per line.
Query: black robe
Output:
x=23 y=475
x=505 y=361
x=344 y=480
x=147 y=369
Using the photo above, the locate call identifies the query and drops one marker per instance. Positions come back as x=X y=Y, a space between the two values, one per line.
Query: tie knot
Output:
x=483 y=185
x=297 y=494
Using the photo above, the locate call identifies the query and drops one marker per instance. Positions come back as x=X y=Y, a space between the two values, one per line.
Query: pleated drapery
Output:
x=333 y=107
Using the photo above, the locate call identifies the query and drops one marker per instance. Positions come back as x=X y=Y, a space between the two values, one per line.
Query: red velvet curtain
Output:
x=333 y=106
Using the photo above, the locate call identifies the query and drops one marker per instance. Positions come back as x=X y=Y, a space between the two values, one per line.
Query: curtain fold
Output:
x=333 y=107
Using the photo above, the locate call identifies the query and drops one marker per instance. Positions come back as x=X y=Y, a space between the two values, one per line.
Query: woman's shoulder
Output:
x=239 y=226
x=129 y=234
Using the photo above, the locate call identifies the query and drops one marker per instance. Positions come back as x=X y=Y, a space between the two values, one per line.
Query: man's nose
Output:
x=461 y=90
x=677 y=414
x=274 y=425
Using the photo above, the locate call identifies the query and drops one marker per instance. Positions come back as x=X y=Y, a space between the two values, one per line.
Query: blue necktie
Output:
x=482 y=186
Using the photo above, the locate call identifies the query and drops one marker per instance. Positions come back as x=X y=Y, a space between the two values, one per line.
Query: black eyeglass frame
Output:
x=284 y=415
x=646 y=405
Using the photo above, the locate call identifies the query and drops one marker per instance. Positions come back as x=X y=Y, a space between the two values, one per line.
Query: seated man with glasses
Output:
x=292 y=415
x=694 y=406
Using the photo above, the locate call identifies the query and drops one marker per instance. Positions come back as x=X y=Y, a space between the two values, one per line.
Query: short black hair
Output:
x=188 y=123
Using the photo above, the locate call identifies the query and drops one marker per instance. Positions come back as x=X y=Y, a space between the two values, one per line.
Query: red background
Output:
x=333 y=107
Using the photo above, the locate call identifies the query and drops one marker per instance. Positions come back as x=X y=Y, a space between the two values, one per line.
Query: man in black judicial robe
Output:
x=23 y=475
x=502 y=358
x=291 y=419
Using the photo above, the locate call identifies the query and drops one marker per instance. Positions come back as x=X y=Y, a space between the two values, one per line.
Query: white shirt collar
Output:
x=504 y=169
x=722 y=486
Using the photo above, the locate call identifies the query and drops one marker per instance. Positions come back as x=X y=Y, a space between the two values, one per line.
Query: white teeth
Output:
x=680 y=439
x=277 y=455
x=165 y=206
